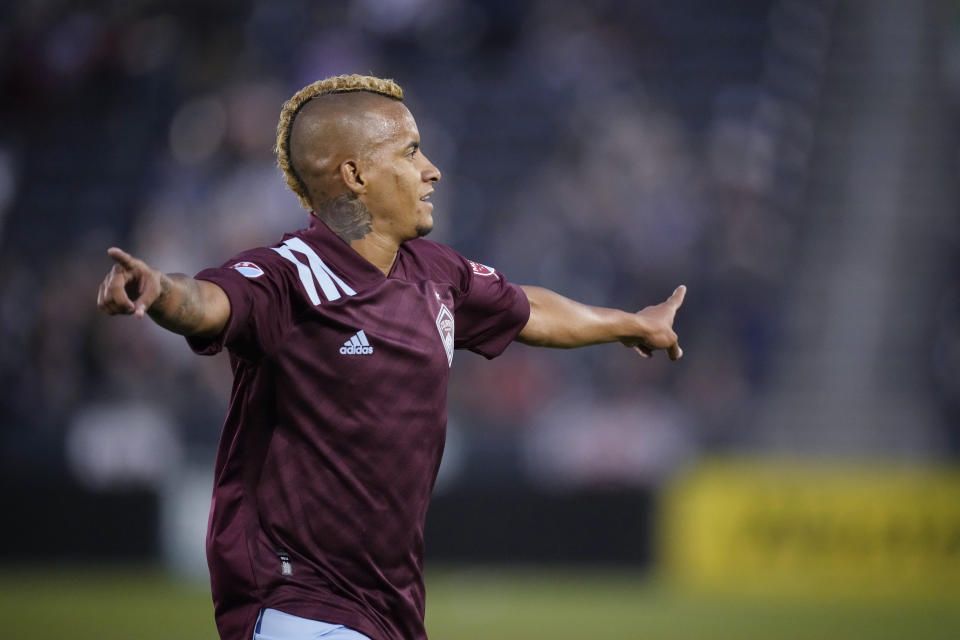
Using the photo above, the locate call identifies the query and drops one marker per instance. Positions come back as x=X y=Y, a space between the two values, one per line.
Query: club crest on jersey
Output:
x=445 y=327
x=248 y=269
x=482 y=269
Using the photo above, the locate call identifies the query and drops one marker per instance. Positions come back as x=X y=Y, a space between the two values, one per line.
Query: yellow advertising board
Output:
x=776 y=526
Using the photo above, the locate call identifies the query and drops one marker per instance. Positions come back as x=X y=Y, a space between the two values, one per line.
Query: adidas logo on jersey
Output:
x=357 y=345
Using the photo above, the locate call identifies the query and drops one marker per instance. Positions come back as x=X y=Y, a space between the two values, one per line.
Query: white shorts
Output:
x=277 y=625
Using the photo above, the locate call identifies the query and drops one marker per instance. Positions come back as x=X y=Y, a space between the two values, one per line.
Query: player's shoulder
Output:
x=435 y=258
x=261 y=261
x=434 y=251
x=446 y=259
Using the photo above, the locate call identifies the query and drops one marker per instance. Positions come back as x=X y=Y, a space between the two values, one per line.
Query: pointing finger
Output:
x=676 y=298
x=122 y=258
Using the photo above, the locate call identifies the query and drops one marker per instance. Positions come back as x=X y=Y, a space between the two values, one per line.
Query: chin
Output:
x=424 y=229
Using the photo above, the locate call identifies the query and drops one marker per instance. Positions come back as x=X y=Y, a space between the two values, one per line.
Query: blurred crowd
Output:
x=607 y=150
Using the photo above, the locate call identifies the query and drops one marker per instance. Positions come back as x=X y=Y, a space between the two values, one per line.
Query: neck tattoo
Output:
x=347 y=217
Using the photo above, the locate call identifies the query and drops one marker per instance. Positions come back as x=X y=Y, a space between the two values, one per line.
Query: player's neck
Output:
x=377 y=249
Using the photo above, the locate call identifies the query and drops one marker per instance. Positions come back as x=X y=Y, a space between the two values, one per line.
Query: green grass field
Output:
x=137 y=604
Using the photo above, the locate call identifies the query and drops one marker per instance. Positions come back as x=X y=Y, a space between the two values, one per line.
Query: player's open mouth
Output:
x=426 y=197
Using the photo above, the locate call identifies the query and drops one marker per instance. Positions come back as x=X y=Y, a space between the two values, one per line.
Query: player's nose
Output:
x=430 y=173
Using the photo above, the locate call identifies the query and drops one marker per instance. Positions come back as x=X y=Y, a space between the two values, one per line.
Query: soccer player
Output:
x=341 y=337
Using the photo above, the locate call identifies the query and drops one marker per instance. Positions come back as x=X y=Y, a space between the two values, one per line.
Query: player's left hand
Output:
x=657 y=327
x=130 y=287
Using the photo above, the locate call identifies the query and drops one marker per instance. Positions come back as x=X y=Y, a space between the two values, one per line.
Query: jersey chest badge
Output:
x=445 y=327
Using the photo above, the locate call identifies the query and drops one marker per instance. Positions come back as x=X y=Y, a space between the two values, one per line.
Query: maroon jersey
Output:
x=336 y=425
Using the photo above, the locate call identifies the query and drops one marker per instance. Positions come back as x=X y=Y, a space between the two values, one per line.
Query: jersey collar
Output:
x=356 y=270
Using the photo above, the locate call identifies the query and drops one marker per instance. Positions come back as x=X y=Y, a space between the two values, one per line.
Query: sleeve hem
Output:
x=212 y=346
x=498 y=343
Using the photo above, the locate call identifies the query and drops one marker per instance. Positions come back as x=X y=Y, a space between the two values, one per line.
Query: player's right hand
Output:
x=130 y=286
x=658 y=328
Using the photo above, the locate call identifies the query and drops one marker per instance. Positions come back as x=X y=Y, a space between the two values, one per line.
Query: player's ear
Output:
x=352 y=177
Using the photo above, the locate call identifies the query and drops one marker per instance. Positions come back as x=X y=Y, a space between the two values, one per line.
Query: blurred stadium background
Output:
x=794 y=162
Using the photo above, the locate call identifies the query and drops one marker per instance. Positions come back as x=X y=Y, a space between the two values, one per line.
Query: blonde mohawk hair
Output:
x=336 y=84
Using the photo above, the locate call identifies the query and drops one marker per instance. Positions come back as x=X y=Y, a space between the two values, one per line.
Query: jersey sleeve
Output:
x=490 y=311
x=257 y=285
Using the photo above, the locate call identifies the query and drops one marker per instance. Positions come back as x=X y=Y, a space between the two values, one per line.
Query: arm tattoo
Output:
x=347 y=217
x=179 y=307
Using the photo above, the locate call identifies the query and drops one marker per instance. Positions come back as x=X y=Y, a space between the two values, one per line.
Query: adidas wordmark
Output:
x=357 y=345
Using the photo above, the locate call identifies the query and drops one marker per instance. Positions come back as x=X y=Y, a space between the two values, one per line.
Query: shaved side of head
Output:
x=344 y=85
x=332 y=128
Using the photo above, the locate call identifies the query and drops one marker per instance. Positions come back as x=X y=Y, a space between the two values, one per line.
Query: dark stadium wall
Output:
x=587 y=527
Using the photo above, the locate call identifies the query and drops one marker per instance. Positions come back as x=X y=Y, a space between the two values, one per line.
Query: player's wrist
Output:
x=172 y=299
x=638 y=325
x=621 y=326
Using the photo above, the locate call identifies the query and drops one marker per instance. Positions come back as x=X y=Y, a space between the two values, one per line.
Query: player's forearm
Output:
x=190 y=307
x=557 y=321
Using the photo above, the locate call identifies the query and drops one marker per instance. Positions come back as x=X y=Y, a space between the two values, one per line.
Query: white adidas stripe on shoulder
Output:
x=319 y=265
x=305 y=276
x=318 y=271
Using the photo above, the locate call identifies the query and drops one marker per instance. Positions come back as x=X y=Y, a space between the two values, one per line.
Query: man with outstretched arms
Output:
x=341 y=338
